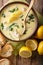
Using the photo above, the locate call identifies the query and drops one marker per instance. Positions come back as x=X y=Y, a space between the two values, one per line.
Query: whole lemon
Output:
x=40 y=48
x=40 y=32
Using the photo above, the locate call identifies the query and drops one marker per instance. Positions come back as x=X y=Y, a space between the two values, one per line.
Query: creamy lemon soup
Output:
x=12 y=22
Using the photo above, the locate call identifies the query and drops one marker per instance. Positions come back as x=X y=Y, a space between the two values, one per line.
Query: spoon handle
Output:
x=30 y=6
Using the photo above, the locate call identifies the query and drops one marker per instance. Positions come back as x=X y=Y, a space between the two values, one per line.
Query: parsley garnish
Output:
x=31 y=16
x=3 y=15
x=25 y=31
x=28 y=22
x=2 y=25
x=13 y=10
x=11 y=26
x=21 y=16
x=22 y=26
x=11 y=29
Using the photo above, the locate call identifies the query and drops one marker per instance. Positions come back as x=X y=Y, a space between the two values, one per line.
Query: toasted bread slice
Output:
x=2 y=39
x=6 y=50
x=4 y=62
x=0 y=49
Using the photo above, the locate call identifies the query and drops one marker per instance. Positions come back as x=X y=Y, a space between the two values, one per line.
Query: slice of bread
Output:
x=4 y=62
x=2 y=40
x=6 y=50
x=0 y=49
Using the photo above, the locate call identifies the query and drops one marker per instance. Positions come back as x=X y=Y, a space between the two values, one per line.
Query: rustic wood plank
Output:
x=35 y=60
x=40 y=60
x=22 y=61
x=12 y=60
x=4 y=1
x=1 y=3
x=38 y=5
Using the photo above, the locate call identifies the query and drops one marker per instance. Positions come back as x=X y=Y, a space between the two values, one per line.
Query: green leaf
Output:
x=40 y=18
x=3 y=15
x=2 y=26
x=15 y=52
x=13 y=10
x=17 y=48
x=14 y=44
x=20 y=45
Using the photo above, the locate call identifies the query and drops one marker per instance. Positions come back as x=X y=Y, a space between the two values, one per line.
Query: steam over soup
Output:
x=12 y=22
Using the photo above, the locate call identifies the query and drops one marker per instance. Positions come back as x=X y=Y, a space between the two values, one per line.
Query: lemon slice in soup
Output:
x=15 y=16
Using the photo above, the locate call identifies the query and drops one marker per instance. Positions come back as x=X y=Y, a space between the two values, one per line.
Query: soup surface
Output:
x=12 y=23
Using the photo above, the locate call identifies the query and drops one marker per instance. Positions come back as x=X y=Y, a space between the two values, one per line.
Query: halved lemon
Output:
x=25 y=52
x=32 y=44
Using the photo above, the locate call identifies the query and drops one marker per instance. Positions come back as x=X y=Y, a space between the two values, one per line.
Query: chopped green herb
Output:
x=22 y=19
x=2 y=25
x=28 y=22
x=16 y=8
x=31 y=16
x=3 y=15
x=25 y=31
x=32 y=20
x=11 y=29
x=22 y=26
x=17 y=26
x=13 y=10
x=21 y=16
x=11 y=26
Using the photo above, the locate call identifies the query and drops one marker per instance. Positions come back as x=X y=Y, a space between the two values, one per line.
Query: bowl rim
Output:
x=27 y=4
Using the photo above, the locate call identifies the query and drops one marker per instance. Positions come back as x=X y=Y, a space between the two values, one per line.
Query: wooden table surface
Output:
x=34 y=60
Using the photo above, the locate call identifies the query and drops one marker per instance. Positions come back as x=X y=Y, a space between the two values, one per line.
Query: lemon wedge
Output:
x=32 y=44
x=25 y=52
x=40 y=48
x=15 y=16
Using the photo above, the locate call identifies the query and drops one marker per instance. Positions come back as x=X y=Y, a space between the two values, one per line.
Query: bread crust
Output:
x=2 y=39
x=2 y=61
x=6 y=50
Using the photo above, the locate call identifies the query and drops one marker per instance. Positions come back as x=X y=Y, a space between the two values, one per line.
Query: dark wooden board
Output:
x=35 y=59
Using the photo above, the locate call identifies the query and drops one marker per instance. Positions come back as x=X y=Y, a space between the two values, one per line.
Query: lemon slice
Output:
x=15 y=15
x=40 y=48
x=32 y=44
x=25 y=52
